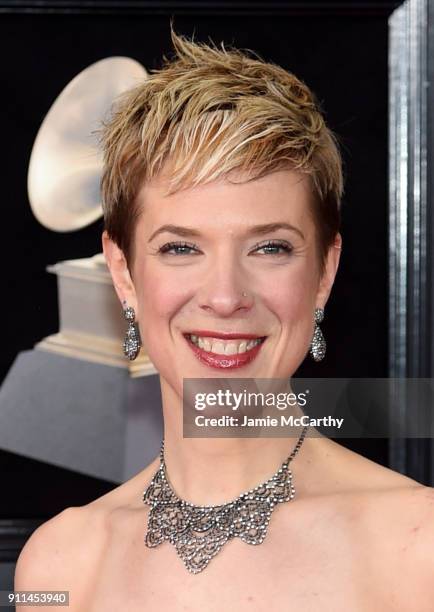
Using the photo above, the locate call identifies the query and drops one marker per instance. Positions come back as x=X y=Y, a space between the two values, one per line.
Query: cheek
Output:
x=292 y=302
x=287 y=301
x=159 y=300
x=291 y=296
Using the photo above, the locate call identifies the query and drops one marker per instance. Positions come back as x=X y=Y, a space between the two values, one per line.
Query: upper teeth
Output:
x=224 y=347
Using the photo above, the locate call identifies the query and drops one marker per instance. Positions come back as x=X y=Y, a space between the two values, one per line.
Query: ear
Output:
x=330 y=269
x=117 y=264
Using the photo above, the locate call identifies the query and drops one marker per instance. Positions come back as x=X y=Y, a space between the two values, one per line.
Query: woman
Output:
x=221 y=192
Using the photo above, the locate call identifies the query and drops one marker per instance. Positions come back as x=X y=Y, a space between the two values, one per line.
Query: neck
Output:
x=211 y=471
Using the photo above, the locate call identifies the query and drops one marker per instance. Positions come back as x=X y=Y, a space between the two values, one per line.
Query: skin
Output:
x=354 y=529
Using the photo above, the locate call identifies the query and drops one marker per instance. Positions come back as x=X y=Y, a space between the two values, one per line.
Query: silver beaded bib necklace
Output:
x=199 y=532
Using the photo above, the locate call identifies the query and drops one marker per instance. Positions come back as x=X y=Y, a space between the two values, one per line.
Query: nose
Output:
x=225 y=290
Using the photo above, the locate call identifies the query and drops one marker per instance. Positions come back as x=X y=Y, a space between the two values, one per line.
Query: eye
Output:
x=177 y=248
x=274 y=247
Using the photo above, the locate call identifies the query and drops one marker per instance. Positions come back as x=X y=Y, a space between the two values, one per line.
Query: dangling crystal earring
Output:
x=318 y=344
x=132 y=341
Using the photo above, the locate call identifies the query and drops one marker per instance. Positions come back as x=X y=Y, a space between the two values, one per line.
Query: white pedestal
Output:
x=83 y=416
x=91 y=323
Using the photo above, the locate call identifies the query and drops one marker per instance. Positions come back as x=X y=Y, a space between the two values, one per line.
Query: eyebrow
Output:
x=255 y=230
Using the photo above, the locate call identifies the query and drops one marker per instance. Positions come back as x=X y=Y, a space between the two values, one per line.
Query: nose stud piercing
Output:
x=132 y=342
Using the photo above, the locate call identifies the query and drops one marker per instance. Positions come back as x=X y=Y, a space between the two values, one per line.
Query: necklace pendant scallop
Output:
x=199 y=533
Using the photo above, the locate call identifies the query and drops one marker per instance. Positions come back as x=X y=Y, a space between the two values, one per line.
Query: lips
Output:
x=222 y=361
x=204 y=333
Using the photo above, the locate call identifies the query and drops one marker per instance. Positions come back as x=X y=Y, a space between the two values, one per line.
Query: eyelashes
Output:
x=185 y=248
x=275 y=244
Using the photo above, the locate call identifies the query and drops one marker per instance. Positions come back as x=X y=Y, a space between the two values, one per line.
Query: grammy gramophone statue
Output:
x=75 y=401
x=63 y=187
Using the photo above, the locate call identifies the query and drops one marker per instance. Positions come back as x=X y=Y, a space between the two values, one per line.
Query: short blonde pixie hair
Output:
x=209 y=111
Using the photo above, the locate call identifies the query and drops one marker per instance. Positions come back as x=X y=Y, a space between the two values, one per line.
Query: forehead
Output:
x=229 y=203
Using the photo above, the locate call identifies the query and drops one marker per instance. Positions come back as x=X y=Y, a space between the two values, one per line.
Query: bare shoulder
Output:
x=409 y=510
x=65 y=552
x=393 y=516
x=389 y=519
x=337 y=470
x=50 y=547
x=382 y=500
x=401 y=527
x=60 y=552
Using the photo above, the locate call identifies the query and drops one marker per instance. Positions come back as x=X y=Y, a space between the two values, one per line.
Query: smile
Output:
x=224 y=350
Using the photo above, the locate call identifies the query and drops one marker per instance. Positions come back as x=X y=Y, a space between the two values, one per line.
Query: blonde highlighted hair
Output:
x=209 y=111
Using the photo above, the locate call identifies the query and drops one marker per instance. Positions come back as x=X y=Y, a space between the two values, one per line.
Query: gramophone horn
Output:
x=65 y=164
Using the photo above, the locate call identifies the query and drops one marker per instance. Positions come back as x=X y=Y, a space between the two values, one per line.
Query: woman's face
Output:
x=221 y=267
